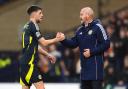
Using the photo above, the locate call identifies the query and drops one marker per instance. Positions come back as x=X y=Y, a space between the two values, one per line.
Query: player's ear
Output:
x=33 y=13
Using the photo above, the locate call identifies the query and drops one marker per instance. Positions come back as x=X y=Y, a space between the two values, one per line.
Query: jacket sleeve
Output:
x=102 y=40
x=70 y=43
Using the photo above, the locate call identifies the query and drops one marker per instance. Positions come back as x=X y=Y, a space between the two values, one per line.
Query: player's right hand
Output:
x=60 y=36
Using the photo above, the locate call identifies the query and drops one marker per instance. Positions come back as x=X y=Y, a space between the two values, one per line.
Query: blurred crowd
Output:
x=116 y=58
x=3 y=2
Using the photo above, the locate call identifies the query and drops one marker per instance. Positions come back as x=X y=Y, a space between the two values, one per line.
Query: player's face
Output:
x=39 y=16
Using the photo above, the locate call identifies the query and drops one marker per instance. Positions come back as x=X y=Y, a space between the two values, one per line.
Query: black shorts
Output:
x=91 y=84
x=29 y=74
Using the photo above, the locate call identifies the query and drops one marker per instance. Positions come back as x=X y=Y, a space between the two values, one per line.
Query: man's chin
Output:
x=38 y=21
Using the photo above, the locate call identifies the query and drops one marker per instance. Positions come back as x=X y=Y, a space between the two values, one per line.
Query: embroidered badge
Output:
x=39 y=76
x=90 y=32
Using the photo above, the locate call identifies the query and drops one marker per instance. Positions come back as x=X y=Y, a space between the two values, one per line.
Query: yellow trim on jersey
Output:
x=21 y=82
x=23 y=39
x=29 y=74
x=30 y=39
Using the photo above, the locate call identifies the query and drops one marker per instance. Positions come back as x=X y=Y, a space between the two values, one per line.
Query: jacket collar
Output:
x=92 y=23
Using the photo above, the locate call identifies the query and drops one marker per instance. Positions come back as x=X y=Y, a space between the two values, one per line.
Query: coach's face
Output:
x=83 y=16
x=39 y=16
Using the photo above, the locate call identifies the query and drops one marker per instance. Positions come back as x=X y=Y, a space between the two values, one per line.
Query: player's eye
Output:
x=40 y=13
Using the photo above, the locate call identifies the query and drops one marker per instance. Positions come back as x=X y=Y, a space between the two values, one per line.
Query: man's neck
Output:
x=33 y=20
x=87 y=22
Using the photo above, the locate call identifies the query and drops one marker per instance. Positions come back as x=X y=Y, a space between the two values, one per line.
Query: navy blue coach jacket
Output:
x=92 y=37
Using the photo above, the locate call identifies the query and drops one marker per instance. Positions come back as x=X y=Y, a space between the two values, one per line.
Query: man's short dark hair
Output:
x=33 y=8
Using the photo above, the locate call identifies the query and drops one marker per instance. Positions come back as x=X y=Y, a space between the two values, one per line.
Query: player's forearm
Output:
x=42 y=51
x=44 y=42
x=51 y=41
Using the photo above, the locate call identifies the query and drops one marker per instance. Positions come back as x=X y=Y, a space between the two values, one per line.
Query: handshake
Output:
x=60 y=36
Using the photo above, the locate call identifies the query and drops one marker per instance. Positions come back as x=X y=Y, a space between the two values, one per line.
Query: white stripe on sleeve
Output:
x=103 y=31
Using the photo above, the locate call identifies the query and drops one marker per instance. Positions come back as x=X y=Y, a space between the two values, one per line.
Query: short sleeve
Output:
x=35 y=31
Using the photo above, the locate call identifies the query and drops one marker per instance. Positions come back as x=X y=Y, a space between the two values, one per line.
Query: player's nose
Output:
x=42 y=15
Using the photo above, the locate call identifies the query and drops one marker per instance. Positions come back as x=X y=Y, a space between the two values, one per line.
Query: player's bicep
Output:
x=42 y=41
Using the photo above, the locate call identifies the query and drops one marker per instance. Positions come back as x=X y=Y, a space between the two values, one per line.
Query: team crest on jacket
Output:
x=39 y=77
x=90 y=32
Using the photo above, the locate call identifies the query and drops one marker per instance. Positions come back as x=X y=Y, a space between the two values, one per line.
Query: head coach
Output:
x=92 y=40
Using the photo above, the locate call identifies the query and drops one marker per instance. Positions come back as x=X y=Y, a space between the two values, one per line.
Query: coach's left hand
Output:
x=86 y=53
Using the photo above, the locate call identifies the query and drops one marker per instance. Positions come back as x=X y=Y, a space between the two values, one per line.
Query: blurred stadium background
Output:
x=63 y=15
